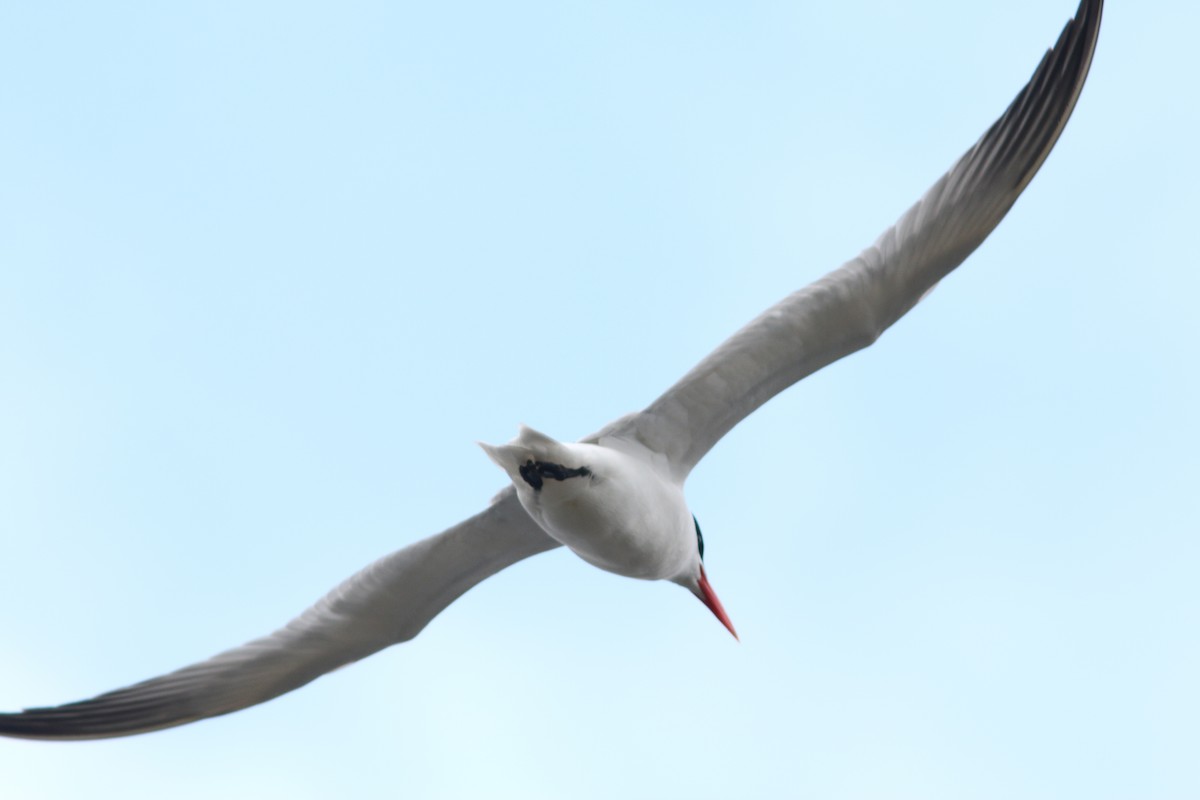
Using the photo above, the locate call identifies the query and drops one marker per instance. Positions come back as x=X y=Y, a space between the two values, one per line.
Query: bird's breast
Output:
x=621 y=516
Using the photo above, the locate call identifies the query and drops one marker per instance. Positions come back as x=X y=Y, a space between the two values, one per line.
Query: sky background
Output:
x=268 y=271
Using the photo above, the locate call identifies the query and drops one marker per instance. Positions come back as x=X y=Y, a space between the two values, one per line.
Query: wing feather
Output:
x=850 y=307
x=387 y=602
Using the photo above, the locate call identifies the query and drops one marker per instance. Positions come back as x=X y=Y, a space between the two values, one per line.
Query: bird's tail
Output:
x=529 y=445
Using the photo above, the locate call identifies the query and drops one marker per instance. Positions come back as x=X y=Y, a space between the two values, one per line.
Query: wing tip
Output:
x=1076 y=43
x=77 y=722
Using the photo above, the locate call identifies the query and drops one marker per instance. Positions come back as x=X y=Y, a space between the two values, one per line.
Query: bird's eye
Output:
x=699 y=537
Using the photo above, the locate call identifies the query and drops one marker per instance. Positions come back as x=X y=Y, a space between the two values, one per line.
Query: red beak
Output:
x=710 y=599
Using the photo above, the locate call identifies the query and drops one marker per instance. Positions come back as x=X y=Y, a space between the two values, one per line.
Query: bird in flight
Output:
x=616 y=498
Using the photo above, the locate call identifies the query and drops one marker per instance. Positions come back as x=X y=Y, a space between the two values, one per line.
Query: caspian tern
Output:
x=616 y=498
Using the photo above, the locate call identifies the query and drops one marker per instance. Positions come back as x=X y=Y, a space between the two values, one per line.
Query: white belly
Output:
x=624 y=517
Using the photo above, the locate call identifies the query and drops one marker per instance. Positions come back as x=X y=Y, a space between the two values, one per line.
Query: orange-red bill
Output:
x=710 y=599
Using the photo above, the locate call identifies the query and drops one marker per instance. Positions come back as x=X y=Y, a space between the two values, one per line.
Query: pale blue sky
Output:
x=267 y=271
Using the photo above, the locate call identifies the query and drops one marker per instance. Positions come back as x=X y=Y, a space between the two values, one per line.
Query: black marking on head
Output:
x=534 y=472
x=699 y=536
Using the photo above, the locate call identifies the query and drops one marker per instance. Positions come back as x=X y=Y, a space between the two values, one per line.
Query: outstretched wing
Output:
x=387 y=602
x=850 y=307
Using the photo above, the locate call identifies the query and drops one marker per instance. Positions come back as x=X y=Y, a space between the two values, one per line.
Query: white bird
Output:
x=616 y=498
x=620 y=509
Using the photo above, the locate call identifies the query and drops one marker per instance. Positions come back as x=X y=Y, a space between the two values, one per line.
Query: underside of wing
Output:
x=387 y=602
x=850 y=307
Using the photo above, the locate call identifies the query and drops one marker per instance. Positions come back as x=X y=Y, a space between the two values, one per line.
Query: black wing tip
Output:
x=1072 y=54
x=1085 y=25
x=1088 y=16
x=42 y=723
x=53 y=724
x=121 y=712
x=58 y=724
x=1016 y=145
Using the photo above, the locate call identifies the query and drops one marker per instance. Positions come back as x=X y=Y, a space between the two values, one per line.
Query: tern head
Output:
x=696 y=580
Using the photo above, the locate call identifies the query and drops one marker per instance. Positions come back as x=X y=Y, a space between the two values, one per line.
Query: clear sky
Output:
x=267 y=271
